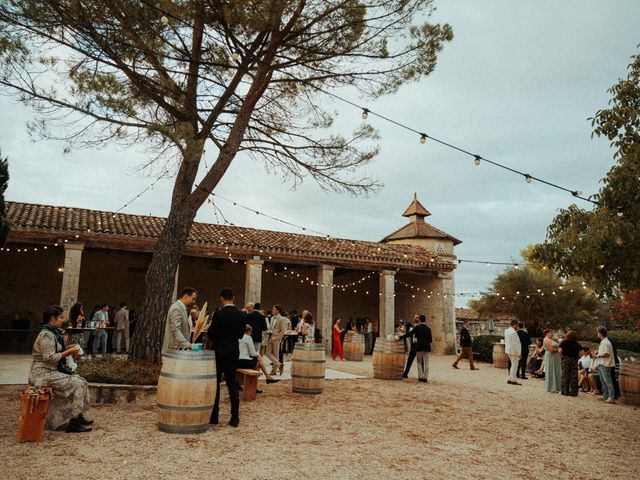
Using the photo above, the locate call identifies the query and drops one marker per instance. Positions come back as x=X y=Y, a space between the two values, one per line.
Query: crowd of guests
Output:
x=106 y=329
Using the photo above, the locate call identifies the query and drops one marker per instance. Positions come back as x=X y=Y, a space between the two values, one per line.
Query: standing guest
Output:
x=422 y=334
x=227 y=327
x=346 y=329
x=122 y=328
x=605 y=366
x=552 y=368
x=569 y=351
x=284 y=343
x=311 y=328
x=368 y=336
x=100 y=320
x=70 y=397
x=249 y=357
x=76 y=316
x=258 y=324
x=466 y=346
x=512 y=348
x=276 y=332
x=409 y=336
x=177 y=331
x=193 y=317
x=525 y=341
x=337 y=344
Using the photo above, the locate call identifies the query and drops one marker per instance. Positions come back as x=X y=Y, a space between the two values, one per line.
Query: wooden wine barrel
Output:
x=500 y=359
x=353 y=346
x=186 y=390
x=307 y=368
x=629 y=381
x=388 y=359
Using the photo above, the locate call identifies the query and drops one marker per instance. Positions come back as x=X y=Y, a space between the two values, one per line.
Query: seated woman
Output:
x=70 y=397
x=249 y=358
x=583 y=369
x=536 y=363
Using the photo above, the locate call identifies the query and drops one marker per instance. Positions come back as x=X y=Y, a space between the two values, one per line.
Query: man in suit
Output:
x=466 y=346
x=525 y=341
x=227 y=327
x=412 y=348
x=177 y=332
x=276 y=332
x=422 y=335
x=122 y=328
x=512 y=348
x=258 y=324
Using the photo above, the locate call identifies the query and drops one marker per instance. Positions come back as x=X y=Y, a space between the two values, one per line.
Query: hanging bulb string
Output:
x=150 y=187
x=424 y=136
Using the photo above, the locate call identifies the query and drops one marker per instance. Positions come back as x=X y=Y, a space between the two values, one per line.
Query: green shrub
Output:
x=624 y=339
x=109 y=369
x=483 y=346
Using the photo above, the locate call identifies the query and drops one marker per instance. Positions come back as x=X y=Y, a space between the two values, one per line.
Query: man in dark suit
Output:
x=227 y=327
x=422 y=335
x=412 y=350
x=258 y=324
x=525 y=341
x=466 y=346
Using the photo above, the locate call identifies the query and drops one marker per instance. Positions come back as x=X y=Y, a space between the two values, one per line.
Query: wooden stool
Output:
x=249 y=380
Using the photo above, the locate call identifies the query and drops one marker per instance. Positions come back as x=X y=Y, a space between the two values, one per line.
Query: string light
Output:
x=365 y=114
x=423 y=138
x=528 y=178
x=620 y=213
x=164 y=20
x=477 y=159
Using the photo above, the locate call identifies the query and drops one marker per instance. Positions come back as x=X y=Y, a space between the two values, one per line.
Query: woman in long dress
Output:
x=70 y=397
x=552 y=366
x=337 y=345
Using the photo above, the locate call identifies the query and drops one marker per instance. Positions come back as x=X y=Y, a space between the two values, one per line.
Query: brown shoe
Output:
x=455 y=366
x=475 y=368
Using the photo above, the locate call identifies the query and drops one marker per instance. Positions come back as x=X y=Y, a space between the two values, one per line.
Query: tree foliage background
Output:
x=603 y=245
x=235 y=76
x=5 y=225
x=528 y=293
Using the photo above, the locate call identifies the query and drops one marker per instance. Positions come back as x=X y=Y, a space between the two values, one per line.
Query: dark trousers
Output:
x=569 y=381
x=410 y=358
x=226 y=367
x=522 y=366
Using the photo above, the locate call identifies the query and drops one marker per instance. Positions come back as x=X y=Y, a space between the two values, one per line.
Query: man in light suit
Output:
x=122 y=328
x=512 y=348
x=276 y=332
x=177 y=333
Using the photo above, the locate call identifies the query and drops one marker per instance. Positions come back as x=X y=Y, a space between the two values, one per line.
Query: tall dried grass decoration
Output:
x=201 y=322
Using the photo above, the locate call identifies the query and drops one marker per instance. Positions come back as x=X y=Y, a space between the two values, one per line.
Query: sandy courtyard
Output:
x=461 y=425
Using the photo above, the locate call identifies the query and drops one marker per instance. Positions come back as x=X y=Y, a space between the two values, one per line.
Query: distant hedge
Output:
x=483 y=346
x=109 y=369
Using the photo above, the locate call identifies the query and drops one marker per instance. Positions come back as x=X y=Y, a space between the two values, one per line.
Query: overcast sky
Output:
x=516 y=85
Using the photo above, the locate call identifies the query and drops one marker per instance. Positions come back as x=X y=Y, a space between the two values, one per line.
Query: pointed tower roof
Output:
x=417 y=227
x=416 y=208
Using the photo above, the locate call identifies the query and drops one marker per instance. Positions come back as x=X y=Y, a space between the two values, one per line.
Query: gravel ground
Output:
x=461 y=425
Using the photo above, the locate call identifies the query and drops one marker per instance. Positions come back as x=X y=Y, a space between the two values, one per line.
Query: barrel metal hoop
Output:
x=177 y=408
x=182 y=376
x=307 y=376
x=308 y=361
x=194 y=356
x=166 y=428
x=307 y=392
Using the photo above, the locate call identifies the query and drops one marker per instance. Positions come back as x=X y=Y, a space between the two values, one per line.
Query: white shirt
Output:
x=247 y=350
x=586 y=361
x=606 y=347
x=512 y=344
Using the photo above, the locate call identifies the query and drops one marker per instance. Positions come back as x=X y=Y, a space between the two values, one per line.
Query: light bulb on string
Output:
x=235 y=56
x=365 y=114
x=528 y=178
x=577 y=193
x=477 y=160
x=164 y=20
x=620 y=213
x=423 y=138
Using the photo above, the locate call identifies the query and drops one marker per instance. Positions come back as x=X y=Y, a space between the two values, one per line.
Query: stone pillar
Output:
x=387 y=303
x=324 y=317
x=448 y=315
x=71 y=274
x=253 y=280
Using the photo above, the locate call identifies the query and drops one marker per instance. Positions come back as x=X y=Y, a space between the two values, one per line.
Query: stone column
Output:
x=448 y=315
x=324 y=317
x=387 y=302
x=253 y=280
x=71 y=274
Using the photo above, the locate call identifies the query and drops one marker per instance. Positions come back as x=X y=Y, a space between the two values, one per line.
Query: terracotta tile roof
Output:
x=40 y=223
x=471 y=314
x=420 y=229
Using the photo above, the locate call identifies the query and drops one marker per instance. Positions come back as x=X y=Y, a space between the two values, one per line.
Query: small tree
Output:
x=238 y=76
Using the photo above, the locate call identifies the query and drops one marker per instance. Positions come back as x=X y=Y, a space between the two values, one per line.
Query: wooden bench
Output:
x=249 y=380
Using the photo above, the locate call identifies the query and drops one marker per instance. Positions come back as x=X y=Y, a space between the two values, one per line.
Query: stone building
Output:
x=60 y=255
x=480 y=326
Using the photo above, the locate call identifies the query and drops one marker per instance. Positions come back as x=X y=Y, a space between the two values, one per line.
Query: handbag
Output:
x=62 y=368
